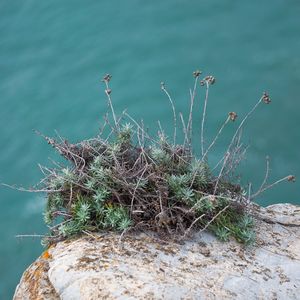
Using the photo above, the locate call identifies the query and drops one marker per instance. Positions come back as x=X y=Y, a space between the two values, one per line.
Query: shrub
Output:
x=128 y=179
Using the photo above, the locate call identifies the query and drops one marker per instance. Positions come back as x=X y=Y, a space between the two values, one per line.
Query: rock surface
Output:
x=142 y=267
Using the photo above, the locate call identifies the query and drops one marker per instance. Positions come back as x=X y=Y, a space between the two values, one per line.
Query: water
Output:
x=53 y=55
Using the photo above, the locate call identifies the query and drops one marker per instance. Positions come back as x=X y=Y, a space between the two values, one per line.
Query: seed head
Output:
x=210 y=79
x=266 y=98
x=106 y=78
x=108 y=91
x=197 y=73
x=291 y=178
x=233 y=116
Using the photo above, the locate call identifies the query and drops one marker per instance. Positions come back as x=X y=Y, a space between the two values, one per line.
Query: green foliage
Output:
x=160 y=156
x=125 y=134
x=90 y=184
x=113 y=150
x=117 y=176
x=246 y=221
x=69 y=228
x=186 y=195
x=55 y=200
x=101 y=195
x=201 y=174
x=222 y=233
x=68 y=175
x=82 y=211
x=232 y=223
x=204 y=204
x=178 y=182
x=116 y=217
x=48 y=216
x=56 y=182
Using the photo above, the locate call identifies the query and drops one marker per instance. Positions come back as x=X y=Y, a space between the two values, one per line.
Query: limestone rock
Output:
x=143 y=267
x=35 y=283
x=283 y=214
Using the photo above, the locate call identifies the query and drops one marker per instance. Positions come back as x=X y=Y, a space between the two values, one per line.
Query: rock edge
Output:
x=143 y=267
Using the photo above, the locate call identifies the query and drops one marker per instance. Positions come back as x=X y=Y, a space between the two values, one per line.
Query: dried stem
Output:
x=214 y=218
x=242 y=123
x=108 y=92
x=267 y=187
x=215 y=139
x=29 y=236
x=184 y=130
x=174 y=112
x=21 y=189
x=221 y=171
x=190 y=120
x=203 y=118
x=192 y=225
x=238 y=131
x=266 y=174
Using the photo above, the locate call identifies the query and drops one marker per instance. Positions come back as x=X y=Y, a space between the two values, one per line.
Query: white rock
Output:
x=142 y=267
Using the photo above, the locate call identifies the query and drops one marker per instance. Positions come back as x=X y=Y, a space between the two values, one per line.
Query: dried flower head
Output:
x=162 y=85
x=210 y=79
x=106 y=78
x=197 y=73
x=232 y=116
x=266 y=98
x=291 y=178
x=202 y=82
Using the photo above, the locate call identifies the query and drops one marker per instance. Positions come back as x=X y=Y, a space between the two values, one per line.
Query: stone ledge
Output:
x=142 y=267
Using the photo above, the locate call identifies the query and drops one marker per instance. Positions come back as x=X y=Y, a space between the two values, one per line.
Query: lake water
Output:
x=54 y=53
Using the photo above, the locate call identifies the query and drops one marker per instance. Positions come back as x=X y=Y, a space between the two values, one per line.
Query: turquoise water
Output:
x=54 y=53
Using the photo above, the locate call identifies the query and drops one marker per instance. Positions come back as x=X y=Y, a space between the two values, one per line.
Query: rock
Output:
x=35 y=283
x=283 y=214
x=106 y=266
